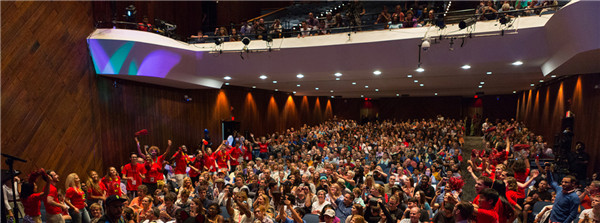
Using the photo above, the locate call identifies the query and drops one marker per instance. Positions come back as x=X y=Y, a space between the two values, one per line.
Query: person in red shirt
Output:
x=96 y=189
x=53 y=206
x=181 y=159
x=247 y=148
x=222 y=157
x=112 y=182
x=157 y=159
x=151 y=174
x=209 y=158
x=75 y=199
x=32 y=200
x=196 y=166
x=263 y=145
x=235 y=154
x=133 y=173
x=487 y=201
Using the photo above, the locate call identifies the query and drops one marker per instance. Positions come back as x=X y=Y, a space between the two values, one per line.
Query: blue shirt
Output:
x=342 y=211
x=565 y=205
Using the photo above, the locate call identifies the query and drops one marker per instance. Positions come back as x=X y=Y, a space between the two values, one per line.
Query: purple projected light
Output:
x=158 y=63
x=98 y=54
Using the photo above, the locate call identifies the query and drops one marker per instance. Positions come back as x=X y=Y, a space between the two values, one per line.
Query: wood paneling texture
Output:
x=543 y=108
x=48 y=113
x=163 y=111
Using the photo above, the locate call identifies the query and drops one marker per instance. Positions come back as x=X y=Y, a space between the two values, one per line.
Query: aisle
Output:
x=471 y=142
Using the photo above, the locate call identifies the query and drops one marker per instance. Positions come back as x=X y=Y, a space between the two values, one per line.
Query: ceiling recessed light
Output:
x=420 y=69
x=482 y=82
x=435 y=93
x=263 y=77
x=416 y=81
x=366 y=86
x=227 y=78
x=541 y=81
x=253 y=86
x=377 y=72
x=488 y=73
x=297 y=85
x=466 y=67
x=514 y=92
x=480 y=86
x=532 y=85
x=517 y=63
x=421 y=85
x=410 y=75
x=553 y=76
x=338 y=74
x=300 y=75
x=274 y=82
x=397 y=95
x=337 y=78
x=227 y=83
x=353 y=83
x=317 y=88
x=331 y=91
x=362 y=96
x=276 y=89
x=331 y=96
x=376 y=89
x=293 y=92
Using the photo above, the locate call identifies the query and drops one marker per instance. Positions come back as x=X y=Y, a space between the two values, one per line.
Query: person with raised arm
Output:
x=157 y=160
x=54 y=208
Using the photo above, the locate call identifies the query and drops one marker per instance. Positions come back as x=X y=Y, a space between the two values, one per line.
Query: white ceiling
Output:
x=356 y=56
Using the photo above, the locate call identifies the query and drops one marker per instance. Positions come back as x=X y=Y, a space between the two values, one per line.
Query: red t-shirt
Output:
x=222 y=157
x=197 y=163
x=499 y=209
x=247 y=153
x=93 y=192
x=51 y=209
x=264 y=147
x=180 y=162
x=133 y=171
x=209 y=162
x=152 y=173
x=487 y=216
x=159 y=161
x=33 y=204
x=511 y=196
x=113 y=186
x=76 y=196
x=521 y=178
x=235 y=155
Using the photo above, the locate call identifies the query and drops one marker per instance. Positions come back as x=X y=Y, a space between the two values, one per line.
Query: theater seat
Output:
x=309 y=218
x=537 y=207
x=224 y=213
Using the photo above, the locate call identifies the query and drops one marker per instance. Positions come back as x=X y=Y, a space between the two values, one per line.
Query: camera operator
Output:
x=241 y=212
x=376 y=211
x=296 y=214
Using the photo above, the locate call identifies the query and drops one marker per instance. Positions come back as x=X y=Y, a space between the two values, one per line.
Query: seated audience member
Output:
x=198 y=38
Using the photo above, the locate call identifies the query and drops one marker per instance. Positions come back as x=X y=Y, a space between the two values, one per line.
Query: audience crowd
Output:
x=354 y=16
x=338 y=171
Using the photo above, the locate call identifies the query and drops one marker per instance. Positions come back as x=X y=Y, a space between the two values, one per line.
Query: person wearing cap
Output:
x=113 y=210
x=329 y=216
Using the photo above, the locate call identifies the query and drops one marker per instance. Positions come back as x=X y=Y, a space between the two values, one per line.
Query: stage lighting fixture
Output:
x=130 y=11
x=218 y=41
x=246 y=41
x=504 y=19
x=439 y=21
x=466 y=23
x=269 y=38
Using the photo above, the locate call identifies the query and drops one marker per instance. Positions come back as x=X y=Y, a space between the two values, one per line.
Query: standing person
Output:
x=196 y=166
x=114 y=210
x=133 y=173
x=181 y=159
x=53 y=206
x=158 y=160
x=96 y=189
x=75 y=199
x=32 y=200
x=8 y=193
x=355 y=11
x=263 y=145
x=152 y=174
x=112 y=182
x=222 y=157
x=566 y=201
x=209 y=158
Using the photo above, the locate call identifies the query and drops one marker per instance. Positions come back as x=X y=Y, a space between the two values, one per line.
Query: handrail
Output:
x=267 y=14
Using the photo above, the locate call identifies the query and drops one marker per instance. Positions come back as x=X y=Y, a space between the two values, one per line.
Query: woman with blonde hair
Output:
x=96 y=189
x=75 y=199
x=146 y=212
x=187 y=184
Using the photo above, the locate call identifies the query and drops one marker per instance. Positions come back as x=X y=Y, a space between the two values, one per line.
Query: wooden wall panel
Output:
x=580 y=94
x=47 y=107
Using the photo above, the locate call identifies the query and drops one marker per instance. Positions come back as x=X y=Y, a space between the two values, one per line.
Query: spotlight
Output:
x=130 y=13
x=246 y=41
x=218 y=41
x=425 y=45
x=504 y=19
x=439 y=21
x=419 y=68
x=466 y=23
